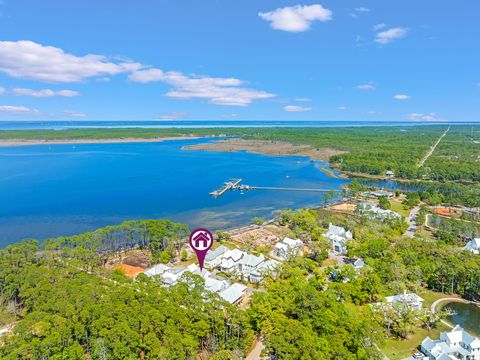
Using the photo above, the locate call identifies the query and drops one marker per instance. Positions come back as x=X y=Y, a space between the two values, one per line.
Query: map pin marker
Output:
x=201 y=240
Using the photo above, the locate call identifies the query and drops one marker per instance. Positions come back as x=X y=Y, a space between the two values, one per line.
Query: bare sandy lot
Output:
x=14 y=142
x=265 y=147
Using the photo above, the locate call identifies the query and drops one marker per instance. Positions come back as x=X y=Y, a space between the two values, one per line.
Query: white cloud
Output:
x=219 y=91
x=72 y=113
x=296 y=18
x=18 y=110
x=367 y=86
x=147 y=75
x=379 y=27
x=33 y=61
x=44 y=92
x=173 y=116
x=372 y=112
x=2 y=90
x=424 y=117
x=295 y=108
x=401 y=97
x=303 y=99
x=342 y=108
x=362 y=9
x=390 y=35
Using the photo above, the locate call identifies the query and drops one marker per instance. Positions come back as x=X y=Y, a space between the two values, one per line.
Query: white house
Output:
x=230 y=260
x=454 y=345
x=234 y=294
x=378 y=193
x=410 y=301
x=158 y=269
x=473 y=246
x=288 y=248
x=268 y=266
x=373 y=211
x=249 y=262
x=339 y=237
x=214 y=257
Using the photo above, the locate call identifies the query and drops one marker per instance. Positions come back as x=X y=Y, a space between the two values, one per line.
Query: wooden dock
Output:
x=227 y=185
x=234 y=184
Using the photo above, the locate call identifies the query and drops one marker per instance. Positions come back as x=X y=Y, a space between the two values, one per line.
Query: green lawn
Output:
x=431 y=296
x=398 y=207
x=397 y=349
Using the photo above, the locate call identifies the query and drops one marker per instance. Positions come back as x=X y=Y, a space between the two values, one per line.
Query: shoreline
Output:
x=17 y=142
x=266 y=147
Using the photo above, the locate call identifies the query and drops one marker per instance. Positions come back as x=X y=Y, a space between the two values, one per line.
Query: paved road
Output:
x=432 y=148
x=256 y=351
x=411 y=219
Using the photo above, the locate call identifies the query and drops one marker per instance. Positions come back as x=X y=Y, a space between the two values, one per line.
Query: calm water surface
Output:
x=467 y=316
x=54 y=190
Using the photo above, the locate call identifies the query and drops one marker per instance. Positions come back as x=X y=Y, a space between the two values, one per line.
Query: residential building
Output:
x=453 y=345
x=268 y=266
x=378 y=193
x=214 y=257
x=389 y=174
x=473 y=246
x=357 y=263
x=288 y=248
x=339 y=237
x=405 y=301
x=373 y=211
x=234 y=294
x=248 y=263
x=230 y=261
x=158 y=269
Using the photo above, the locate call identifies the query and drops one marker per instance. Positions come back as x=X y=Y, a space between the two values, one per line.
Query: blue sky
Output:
x=252 y=60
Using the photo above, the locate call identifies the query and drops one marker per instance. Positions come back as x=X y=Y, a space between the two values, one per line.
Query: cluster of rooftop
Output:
x=240 y=263
x=171 y=275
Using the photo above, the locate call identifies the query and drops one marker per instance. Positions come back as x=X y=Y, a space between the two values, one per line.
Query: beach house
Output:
x=288 y=248
x=214 y=257
x=405 y=300
x=339 y=237
x=234 y=294
x=453 y=345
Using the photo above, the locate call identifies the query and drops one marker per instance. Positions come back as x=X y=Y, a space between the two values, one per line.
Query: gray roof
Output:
x=233 y=293
x=212 y=255
x=252 y=260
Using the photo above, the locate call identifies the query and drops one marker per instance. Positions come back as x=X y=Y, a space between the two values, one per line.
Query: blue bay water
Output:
x=55 y=190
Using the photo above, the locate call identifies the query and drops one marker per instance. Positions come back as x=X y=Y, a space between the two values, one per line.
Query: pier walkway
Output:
x=234 y=184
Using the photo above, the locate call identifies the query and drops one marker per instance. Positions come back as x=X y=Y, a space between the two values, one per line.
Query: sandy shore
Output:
x=14 y=142
x=273 y=148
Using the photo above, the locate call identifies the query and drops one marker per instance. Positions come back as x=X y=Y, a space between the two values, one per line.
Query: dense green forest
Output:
x=66 y=313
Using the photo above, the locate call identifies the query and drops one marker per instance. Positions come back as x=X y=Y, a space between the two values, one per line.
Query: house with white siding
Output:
x=452 y=345
x=288 y=248
x=473 y=246
x=339 y=237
